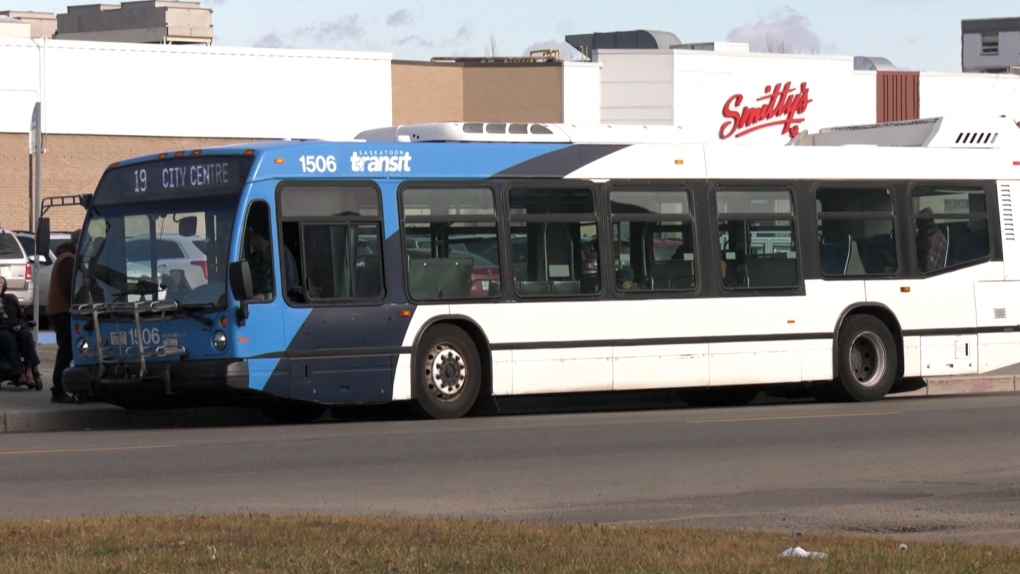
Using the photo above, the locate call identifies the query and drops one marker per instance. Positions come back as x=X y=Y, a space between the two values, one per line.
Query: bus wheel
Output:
x=867 y=359
x=293 y=412
x=719 y=396
x=448 y=372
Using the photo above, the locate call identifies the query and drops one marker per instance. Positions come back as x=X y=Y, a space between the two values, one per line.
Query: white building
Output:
x=991 y=45
x=724 y=92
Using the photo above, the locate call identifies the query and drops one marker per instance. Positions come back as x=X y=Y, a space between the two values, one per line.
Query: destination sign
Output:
x=166 y=179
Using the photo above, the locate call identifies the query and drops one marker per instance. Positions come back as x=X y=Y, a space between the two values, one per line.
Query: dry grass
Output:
x=255 y=544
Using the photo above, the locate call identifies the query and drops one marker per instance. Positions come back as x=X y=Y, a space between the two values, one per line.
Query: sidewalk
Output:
x=27 y=410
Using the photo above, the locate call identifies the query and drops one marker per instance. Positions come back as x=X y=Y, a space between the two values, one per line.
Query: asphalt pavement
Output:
x=935 y=468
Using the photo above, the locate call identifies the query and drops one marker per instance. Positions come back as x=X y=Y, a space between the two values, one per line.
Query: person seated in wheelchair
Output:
x=16 y=340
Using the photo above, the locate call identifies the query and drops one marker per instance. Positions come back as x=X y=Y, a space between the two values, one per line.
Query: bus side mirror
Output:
x=42 y=237
x=85 y=199
x=240 y=281
x=239 y=274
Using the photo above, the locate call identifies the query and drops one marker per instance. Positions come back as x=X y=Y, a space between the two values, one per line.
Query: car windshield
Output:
x=153 y=251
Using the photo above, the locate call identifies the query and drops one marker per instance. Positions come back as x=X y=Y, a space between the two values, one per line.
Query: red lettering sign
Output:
x=782 y=104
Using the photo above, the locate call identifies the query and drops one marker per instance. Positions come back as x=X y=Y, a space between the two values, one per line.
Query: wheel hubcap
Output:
x=446 y=372
x=868 y=359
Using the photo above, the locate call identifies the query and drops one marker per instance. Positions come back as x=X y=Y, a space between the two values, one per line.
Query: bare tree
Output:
x=781 y=46
x=492 y=50
x=773 y=46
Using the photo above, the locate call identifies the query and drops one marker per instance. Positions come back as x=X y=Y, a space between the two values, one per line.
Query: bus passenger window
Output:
x=333 y=231
x=951 y=225
x=555 y=242
x=653 y=239
x=855 y=231
x=756 y=236
x=451 y=249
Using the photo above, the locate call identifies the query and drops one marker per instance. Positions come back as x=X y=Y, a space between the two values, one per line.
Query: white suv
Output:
x=173 y=253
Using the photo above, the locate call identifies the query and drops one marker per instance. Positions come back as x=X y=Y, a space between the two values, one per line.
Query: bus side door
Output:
x=261 y=339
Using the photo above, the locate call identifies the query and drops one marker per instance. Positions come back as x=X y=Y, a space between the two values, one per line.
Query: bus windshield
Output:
x=166 y=250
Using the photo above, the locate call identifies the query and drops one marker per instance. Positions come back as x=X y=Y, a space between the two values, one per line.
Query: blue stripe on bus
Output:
x=259 y=371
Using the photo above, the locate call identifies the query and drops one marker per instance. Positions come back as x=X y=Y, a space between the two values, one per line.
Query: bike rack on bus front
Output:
x=119 y=338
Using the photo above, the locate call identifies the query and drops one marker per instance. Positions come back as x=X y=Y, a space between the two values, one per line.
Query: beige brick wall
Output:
x=71 y=165
x=424 y=92
x=14 y=181
x=513 y=93
x=432 y=92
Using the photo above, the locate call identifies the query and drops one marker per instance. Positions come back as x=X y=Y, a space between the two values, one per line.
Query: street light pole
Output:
x=36 y=148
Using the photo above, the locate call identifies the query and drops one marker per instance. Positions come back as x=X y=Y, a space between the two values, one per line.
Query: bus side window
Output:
x=258 y=250
x=659 y=252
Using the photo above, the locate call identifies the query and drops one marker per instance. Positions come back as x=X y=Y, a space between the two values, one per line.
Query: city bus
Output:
x=448 y=264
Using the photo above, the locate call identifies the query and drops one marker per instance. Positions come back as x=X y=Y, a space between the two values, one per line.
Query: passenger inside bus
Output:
x=625 y=279
x=932 y=244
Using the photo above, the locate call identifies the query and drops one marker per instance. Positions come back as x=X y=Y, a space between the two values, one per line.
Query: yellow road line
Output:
x=96 y=449
x=797 y=417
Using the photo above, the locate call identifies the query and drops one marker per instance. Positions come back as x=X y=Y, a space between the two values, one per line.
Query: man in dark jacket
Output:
x=58 y=307
x=14 y=322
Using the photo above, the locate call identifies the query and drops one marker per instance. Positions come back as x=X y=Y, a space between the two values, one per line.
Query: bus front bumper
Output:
x=174 y=377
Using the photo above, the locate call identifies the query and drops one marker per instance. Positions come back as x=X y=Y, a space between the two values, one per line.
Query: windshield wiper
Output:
x=191 y=310
x=142 y=287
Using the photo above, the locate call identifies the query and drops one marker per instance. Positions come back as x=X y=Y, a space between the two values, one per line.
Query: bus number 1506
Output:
x=318 y=163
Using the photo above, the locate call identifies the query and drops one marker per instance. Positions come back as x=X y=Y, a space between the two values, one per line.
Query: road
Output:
x=936 y=468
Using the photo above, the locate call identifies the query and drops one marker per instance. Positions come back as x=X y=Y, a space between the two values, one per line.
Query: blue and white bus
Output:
x=448 y=263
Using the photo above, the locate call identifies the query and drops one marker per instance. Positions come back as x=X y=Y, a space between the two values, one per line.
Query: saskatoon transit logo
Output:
x=781 y=106
x=381 y=161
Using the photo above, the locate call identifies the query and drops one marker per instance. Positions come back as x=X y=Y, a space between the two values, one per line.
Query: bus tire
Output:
x=448 y=372
x=867 y=359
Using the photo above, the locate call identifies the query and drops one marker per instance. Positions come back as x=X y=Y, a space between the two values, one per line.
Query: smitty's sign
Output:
x=782 y=106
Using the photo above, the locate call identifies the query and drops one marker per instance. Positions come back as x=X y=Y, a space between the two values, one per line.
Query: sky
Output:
x=913 y=34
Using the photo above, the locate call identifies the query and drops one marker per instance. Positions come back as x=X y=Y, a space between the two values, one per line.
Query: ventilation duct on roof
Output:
x=868 y=63
x=587 y=44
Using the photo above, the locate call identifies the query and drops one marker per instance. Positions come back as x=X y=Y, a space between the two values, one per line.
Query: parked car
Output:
x=43 y=271
x=16 y=267
x=173 y=253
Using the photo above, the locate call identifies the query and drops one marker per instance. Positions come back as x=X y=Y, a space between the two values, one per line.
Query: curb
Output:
x=945 y=386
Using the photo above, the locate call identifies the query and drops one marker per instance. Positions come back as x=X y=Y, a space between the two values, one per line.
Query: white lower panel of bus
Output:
x=660 y=366
x=587 y=369
x=946 y=355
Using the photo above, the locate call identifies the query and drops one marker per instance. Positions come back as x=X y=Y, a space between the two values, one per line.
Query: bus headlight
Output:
x=219 y=340
x=83 y=346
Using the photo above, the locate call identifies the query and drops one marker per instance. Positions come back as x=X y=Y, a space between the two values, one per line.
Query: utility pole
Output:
x=35 y=145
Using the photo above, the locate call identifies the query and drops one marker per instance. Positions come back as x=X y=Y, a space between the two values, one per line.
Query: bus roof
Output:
x=606 y=151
